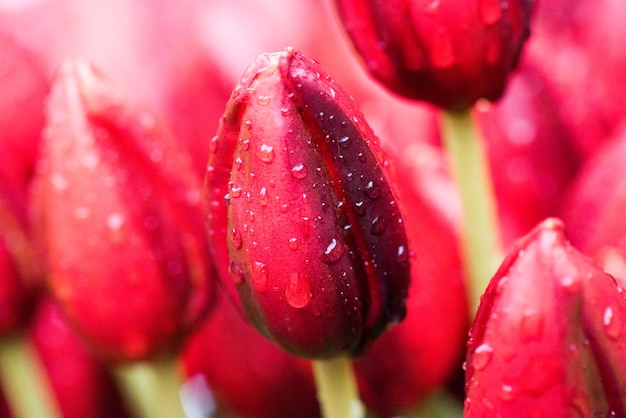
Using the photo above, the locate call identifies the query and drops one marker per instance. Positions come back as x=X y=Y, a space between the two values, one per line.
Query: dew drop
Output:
x=259 y=276
x=482 y=356
x=305 y=227
x=235 y=272
x=238 y=163
x=372 y=190
x=378 y=226
x=245 y=145
x=283 y=208
x=293 y=243
x=359 y=208
x=263 y=197
x=213 y=145
x=612 y=323
x=299 y=171
x=531 y=325
x=248 y=124
x=333 y=252
x=235 y=237
x=298 y=292
x=345 y=141
x=263 y=100
x=235 y=191
x=362 y=158
x=506 y=392
x=285 y=111
x=402 y=254
x=266 y=153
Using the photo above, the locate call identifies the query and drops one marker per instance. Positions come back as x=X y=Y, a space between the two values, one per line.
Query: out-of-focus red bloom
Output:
x=122 y=220
x=448 y=53
x=549 y=335
x=419 y=354
x=81 y=384
x=246 y=374
x=530 y=149
x=315 y=244
x=21 y=121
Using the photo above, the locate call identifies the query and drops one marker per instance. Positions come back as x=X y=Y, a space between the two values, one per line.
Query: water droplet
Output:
x=227 y=199
x=235 y=191
x=442 y=51
x=251 y=215
x=259 y=276
x=350 y=177
x=263 y=100
x=333 y=252
x=236 y=273
x=372 y=190
x=299 y=171
x=283 y=208
x=293 y=243
x=482 y=356
x=235 y=237
x=490 y=11
x=248 y=124
x=245 y=145
x=359 y=208
x=266 y=153
x=362 y=158
x=238 y=163
x=531 y=325
x=378 y=226
x=506 y=392
x=345 y=142
x=298 y=291
x=285 y=111
x=570 y=283
x=263 y=197
x=612 y=323
x=305 y=227
x=402 y=254
x=213 y=145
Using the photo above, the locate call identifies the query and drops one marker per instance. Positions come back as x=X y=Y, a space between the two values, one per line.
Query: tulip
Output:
x=301 y=214
x=448 y=53
x=246 y=374
x=122 y=219
x=548 y=338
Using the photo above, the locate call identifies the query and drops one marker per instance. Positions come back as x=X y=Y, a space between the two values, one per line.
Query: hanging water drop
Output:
x=372 y=190
x=235 y=272
x=259 y=276
x=333 y=252
x=482 y=356
x=298 y=292
x=236 y=239
x=612 y=323
x=266 y=153
x=299 y=171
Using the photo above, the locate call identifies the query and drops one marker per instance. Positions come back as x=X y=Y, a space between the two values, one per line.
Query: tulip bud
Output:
x=448 y=53
x=301 y=213
x=122 y=220
x=548 y=338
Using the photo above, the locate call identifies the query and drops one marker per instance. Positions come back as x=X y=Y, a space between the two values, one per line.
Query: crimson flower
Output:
x=302 y=217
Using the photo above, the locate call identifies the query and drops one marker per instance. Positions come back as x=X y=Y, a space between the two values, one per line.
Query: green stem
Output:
x=480 y=244
x=336 y=388
x=152 y=389
x=437 y=405
x=24 y=380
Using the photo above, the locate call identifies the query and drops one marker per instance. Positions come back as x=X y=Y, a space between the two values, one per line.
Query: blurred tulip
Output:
x=122 y=220
x=316 y=246
x=548 y=338
x=419 y=355
x=248 y=375
x=530 y=149
x=81 y=384
x=448 y=53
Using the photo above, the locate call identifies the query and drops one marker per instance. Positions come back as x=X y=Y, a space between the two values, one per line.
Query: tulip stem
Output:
x=480 y=237
x=151 y=389
x=24 y=380
x=336 y=388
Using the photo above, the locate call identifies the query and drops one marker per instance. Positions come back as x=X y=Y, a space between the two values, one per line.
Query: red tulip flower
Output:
x=549 y=336
x=302 y=217
x=122 y=220
x=449 y=53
